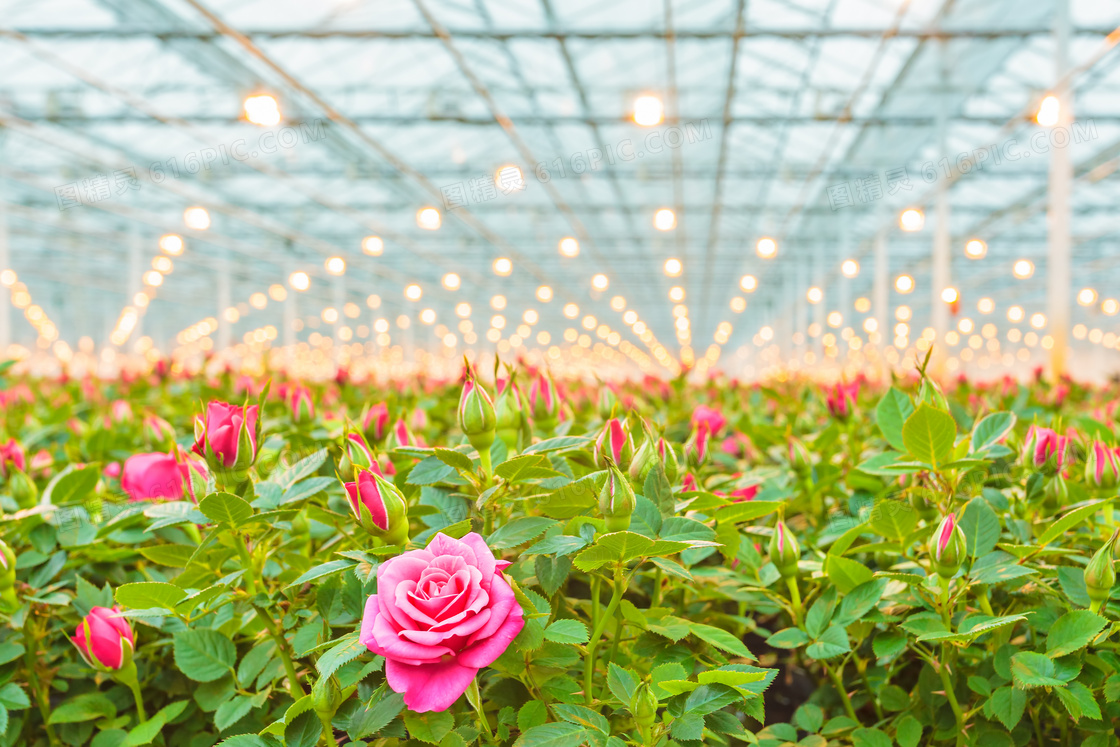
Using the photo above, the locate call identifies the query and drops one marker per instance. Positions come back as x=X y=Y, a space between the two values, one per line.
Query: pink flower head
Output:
x=439 y=615
x=1102 y=467
x=1045 y=450
x=945 y=533
x=101 y=639
x=158 y=476
x=712 y=418
x=223 y=431
x=303 y=409
x=401 y=435
x=112 y=470
x=121 y=411
x=157 y=429
x=841 y=400
x=543 y=399
x=365 y=491
x=613 y=442
x=781 y=536
x=376 y=421
x=12 y=455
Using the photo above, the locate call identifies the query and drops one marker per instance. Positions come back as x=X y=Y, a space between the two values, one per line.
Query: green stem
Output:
x=838 y=684
x=655 y=596
x=613 y=655
x=294 y=688
x=328 y=730
x=40 y=689
x=795 y=599
x=134 y=686
x=486 y=467
x=947 y=683
x=946 y=613
x=246 y=563
x=589 y=665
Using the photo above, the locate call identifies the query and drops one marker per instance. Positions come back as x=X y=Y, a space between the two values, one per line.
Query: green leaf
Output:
x=622 y=683
x=616 y=547
x=721 y=639
x=430 y=471
x=148 y=594
x=173 y=556
x=833 y=642
x=1073 y=631
x=860 y=600
x=1079 y=701
x=455 y=459
x=226 y=508
x=429 y=727
x=533 y=713
x=1070 y=520
x=928 y=435
x=556 y=444
x=892 y=519
x=526 y=467
x=562 y=734
x=232 y=711
x=684 y=529
x=846 y=573
x=688 y=727
x=551 y=572
x=980 y=526
x=890 y=415
x=375 y=716
x=10 y=651
x=204 y=655
x=519 y=531
x=14 y=698
x=573 y=499
x=566 y=631
x=788 y=638
x=1029 y=669
x=305 y=467
x=980 y=624
x=71 y=485
x=908 y=732
x=577 y=714
x=864 y=737
x=326 y=569
x=746 y=511
x=83 y=708
x=991 y=429
x=347 y=649
x=820 y=613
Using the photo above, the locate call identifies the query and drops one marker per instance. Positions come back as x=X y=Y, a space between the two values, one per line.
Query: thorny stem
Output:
x=947 y=683
x=41 y=689
x=589 y=665
x=294 y=688
x=838 y=683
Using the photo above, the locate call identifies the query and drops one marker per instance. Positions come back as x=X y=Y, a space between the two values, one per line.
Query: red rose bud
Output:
x=12 y=455
x=157 y=430
x=798 y=455
x=1102 y=467
x=400 y=435
x=668 y=457
x=645 y=456
x=616 y=500
x=614 y=444
x=477 y=419
x=841 y=400
x=378 y=506
x=947 y=547
x=356 y=454
x=375 y=422
x=1045 y=450
x=303 y=409
x=104 y=641
x=784 y=551
x=696 y=448
x=544 y=402
x=227 y=436
x=1100 y=574
x=8 y=601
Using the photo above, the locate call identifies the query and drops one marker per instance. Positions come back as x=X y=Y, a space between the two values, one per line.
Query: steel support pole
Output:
x=880 y=291
x=224 y=325
x=1058 y=276
x=135 y=270
x=942 y=261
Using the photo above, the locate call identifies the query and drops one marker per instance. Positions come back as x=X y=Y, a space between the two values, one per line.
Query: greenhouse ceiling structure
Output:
x=721 y=183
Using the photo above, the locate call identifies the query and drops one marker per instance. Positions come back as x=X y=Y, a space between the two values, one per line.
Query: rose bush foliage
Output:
x=189 y=561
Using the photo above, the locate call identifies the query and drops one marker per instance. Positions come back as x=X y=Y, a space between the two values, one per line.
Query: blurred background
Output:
x=760 y=187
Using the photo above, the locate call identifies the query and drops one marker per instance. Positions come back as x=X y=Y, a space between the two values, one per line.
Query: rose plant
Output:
x=535 y=561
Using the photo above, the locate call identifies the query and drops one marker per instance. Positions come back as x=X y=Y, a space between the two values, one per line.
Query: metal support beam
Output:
x=942 y=259
x=881 y=294
x=1061 y=180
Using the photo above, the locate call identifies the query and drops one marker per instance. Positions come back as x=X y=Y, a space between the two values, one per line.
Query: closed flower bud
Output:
x=798 y=455
x=375 y=422
x=930 y=393
x=356 y=454
x=326 y=697
x=477 y=419
x=608 y=401
x=616 y=500
x=509 y=412
x=614 y=445
x=1102 y=467
x=784 y=551
x=841 y=400
x=378 y=506
x=1100 y=574
x=696 y=447
x=104 y=640
x=544 y=401
x=12 y=455
x=401 y=435
x=227 y=436
x=644 y=458
x=668 y=459
x=947 y=547
x=1055 y=492
x=643 y=706
x=303 y=409
x=920 y=500
x=157 y=430
x=1045 y=450
x=22 y=488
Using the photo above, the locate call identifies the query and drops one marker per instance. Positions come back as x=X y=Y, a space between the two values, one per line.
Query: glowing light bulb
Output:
x=664 y=220
x=373 y=246
x=262 y=109
x=950 y=295
x=428 y=218
x=1049 y=111
x=544 y=294
x=766 y=248
x=569 y=247
x=904 y=283
x=196 y=218
x=673 y=267
x=463 y=310
x=814 y=295
x=1022 y=269
x=451 y=281
x=1015 y=314
x=748 y=283
x=335 y=265
x=171 y=243
x=911 y=219
x=163 y=264
x=1087 y=297
x=985 y=305
x=676 y=294
x=509 y=179
x=503 y=266
x=975 y=249
x=498 y=302
x=413 y=292
x=648 y=111
x=153 y=278
x=849 y=268
x=600 y=282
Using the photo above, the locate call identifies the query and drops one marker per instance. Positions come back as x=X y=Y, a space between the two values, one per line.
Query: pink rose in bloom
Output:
x=439 y=615
x=223 y=431
x=710 y=417
x=376 y=421
x=104 y=641
x=841 y=400
x=12 y=455
x=157 y=476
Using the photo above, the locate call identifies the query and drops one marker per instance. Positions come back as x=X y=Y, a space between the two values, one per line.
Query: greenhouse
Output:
x=529 y=373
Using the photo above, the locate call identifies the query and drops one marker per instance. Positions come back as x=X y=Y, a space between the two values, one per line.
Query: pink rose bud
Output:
x=947 y=547
x=401 y=435
x=799 y=458
x=158 y=476
x=228 y=435
x=745 y=494
x=784 y=551
x=439 y=615
x=104 y=641
x=303 y=409
x=712 y=418
x=614 y=442
x=356 y=454
x=378 y=506
x=121 y=411
x=112 y=470
x=688 y=483
x=11 y=455
x=1102 y=467
x=841 y=400
x=544 y=402
x=375 y=423
x=696 y=448
x=157 y=430
x=1045 y=450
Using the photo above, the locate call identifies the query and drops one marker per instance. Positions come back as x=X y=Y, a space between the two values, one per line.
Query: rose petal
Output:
x=429 y=687
x=483 y=653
